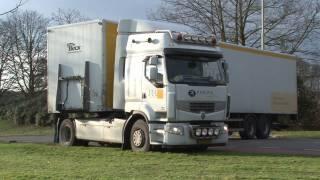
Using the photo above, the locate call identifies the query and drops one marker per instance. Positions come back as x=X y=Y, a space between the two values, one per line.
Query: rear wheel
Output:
x=67 y=133
x=263 y=127
x=139 y=136
x=249 y=128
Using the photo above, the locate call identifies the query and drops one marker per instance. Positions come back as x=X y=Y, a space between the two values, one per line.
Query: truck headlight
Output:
x=178 y=130
x=225 y=128
x=198 y=132
x=204 y=131
x=210 y=131
x=216 y=131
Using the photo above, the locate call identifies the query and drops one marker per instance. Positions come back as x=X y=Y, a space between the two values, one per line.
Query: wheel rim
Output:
x=138 y=138
x=66 y=134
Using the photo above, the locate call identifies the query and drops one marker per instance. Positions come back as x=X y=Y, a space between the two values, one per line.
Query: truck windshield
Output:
x=194 y=70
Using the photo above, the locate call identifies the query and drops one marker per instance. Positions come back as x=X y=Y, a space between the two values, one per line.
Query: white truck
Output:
x=138 y=83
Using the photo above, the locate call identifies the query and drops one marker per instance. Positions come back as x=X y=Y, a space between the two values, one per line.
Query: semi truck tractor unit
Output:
x=138 y=83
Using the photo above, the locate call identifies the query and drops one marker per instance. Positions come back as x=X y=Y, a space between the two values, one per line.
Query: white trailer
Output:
x=263 y=88
x=137 y=83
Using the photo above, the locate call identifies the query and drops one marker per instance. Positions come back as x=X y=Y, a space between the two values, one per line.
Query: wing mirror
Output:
x=153 y=60
x=151 y=73
x=225 y=67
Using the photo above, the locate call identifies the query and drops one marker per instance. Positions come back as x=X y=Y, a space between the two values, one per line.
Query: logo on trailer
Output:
x=72 y=47
x=192 y=93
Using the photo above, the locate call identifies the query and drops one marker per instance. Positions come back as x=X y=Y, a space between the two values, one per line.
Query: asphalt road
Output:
x=273 y=145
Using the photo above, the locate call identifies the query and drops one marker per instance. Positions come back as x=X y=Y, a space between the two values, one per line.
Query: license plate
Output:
x=204 y=141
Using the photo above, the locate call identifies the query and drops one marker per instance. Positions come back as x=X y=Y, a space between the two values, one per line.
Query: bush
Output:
x=24 y=111
x=308 y=108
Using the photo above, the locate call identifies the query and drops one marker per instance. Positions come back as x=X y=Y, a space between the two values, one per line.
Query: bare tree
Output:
x=67 y=16
x=28 y=60
x=5 y=52
x=227 y=19
x=17 y=6
x=288 y=23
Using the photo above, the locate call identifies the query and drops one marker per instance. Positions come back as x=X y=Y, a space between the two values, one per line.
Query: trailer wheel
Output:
x=263 y=128
x=139 y=136
x=249 y=127
x=67 y=133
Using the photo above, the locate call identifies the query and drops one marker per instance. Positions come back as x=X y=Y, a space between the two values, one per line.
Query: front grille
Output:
x=197 y=107
x=201 y=107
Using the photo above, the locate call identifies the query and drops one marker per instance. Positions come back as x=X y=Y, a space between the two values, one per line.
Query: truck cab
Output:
x=177 y=81
x=170 y=87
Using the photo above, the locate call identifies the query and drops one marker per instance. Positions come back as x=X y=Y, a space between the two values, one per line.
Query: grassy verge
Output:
x=7 y=128
x=26 y=161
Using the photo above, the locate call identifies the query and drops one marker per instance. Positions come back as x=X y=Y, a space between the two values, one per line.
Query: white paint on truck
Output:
x=261 y=81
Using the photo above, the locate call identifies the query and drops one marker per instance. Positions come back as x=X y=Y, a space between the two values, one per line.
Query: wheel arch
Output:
x=135 y=115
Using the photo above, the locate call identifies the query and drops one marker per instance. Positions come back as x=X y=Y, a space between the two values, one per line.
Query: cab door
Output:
x=133 y=84
x=153 y=90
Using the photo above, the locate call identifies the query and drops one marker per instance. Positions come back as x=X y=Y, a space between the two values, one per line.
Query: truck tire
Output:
x=139 y=137
x=263 y=127
x=67 y=133
x=249 y=128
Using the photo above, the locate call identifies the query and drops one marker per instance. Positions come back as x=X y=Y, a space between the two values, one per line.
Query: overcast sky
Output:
x=106 y=9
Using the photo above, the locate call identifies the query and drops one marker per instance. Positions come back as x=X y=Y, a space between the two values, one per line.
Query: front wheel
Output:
x=139 y=136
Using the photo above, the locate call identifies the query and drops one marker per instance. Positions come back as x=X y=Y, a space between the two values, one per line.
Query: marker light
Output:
x=202 y=39
x=204 y=131
x=216 y=131
x=198 y=132
x=196 y=39
x=210 y=131
x=213 y=41
x=177 y=36
x=187 y=37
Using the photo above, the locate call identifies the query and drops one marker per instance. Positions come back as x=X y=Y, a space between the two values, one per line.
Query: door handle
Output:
x=144 y=96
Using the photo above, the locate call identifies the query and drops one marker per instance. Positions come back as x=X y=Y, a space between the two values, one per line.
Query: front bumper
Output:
x=162 y=134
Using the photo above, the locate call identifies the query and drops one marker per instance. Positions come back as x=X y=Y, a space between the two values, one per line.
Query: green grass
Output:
x=7 y=128
x=30 y=161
